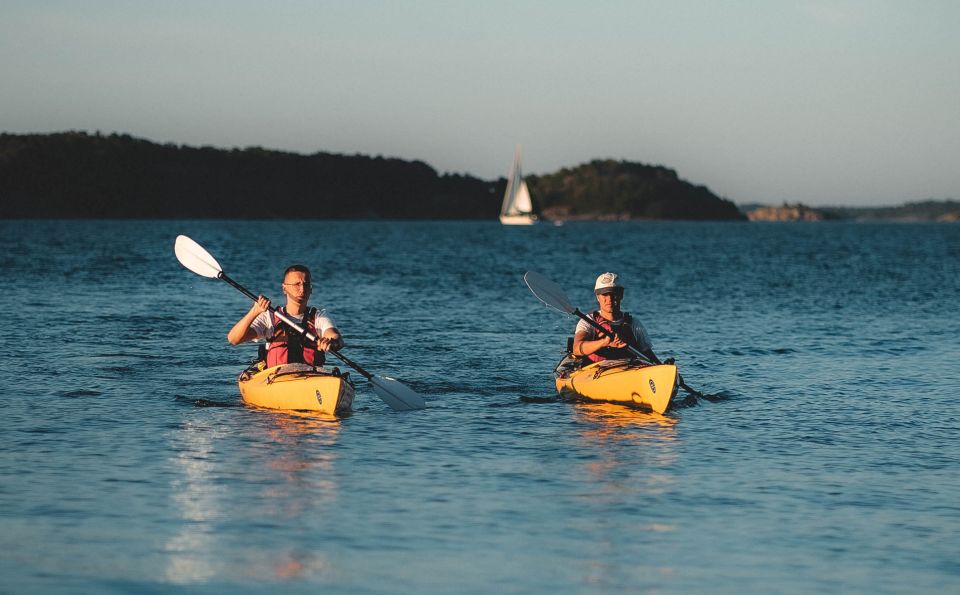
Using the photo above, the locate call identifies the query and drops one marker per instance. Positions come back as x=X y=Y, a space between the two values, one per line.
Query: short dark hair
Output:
x=297 y=268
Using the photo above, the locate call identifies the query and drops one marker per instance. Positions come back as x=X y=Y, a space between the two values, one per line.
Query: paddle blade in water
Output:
x=396 y=395
x=193 y=256
x=548 y=292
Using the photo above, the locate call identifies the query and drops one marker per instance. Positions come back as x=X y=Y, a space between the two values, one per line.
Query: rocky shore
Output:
x=929 y=210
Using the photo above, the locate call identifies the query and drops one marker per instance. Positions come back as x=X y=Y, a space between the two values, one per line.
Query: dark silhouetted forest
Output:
x=627 y=190
x=81 y=175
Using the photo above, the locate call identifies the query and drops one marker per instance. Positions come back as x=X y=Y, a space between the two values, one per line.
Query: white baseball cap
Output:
x=607 y=283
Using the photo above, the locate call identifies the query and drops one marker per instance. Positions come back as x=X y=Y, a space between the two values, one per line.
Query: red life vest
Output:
x=623 y=328
x=286 y=346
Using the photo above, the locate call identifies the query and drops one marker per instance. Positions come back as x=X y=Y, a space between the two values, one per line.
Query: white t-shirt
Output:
x=592 y=334
x=263 y=324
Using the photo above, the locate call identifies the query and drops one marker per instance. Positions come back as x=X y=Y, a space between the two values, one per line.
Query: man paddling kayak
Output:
x=285 y=345
x=589 y=342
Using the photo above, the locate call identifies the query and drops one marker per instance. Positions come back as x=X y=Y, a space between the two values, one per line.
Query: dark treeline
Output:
x=630 y=190
x=80 y=175
x=74 y=175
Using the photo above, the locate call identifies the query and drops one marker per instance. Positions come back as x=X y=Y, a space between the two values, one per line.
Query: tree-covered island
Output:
x=81 y=175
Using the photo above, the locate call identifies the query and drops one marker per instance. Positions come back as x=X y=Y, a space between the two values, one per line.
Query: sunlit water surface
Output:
x=828 y=460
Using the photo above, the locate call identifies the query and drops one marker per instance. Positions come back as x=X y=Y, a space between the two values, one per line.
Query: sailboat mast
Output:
x=513 y=184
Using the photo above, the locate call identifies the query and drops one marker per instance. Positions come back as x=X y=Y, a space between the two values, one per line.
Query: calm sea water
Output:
x=828 y=461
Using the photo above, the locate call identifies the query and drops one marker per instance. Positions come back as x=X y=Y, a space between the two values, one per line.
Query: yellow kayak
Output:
x=619 y=381
x=299 y=387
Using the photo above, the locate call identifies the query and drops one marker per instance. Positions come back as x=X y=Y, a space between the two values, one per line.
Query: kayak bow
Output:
x=632 y=382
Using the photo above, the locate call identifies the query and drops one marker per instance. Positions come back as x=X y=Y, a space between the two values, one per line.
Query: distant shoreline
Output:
x=544 y=223
x=944 y=211
x=77 y=175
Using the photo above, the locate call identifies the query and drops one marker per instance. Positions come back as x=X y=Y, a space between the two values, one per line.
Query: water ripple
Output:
x=821 y=457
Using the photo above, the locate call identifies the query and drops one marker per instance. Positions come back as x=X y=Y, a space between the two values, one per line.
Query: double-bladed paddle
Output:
x=391 y=391
x=553 y=295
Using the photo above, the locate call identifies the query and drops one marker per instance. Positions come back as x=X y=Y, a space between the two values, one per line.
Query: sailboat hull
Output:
x=518 y=219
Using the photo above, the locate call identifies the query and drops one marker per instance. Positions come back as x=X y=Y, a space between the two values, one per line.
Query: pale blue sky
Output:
x=844 y=102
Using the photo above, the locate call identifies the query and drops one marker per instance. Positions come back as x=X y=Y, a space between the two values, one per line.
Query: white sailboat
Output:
x=517 y=208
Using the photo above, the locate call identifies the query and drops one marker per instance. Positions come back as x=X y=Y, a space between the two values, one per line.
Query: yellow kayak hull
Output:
x=297 y=387
x=622 y=381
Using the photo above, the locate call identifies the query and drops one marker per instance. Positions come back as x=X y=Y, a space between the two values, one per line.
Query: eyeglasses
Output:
x=300 y=284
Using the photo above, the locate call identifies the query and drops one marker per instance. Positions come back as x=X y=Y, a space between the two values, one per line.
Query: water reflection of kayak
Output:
x=299 y=387
x=627 y=381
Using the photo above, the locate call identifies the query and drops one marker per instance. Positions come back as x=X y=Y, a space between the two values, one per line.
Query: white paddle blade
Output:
x=548 y=292
x=396 y=395
x=194 y=257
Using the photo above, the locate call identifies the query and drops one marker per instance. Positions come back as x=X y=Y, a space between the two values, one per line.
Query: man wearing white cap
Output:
x=589 y=342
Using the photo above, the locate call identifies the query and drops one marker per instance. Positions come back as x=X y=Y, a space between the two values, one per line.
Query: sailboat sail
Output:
x=521 y=200
x=517 y=208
